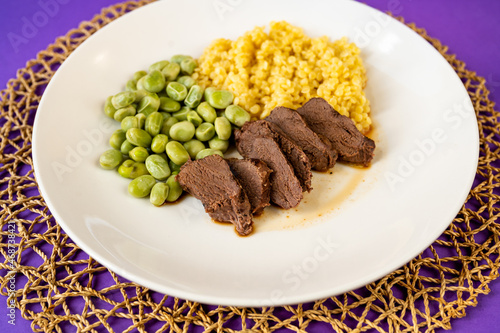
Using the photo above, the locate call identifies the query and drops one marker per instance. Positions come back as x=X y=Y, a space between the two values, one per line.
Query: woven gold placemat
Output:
x=59 y=288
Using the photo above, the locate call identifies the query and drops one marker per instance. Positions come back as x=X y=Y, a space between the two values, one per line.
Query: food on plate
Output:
x=205 y=132
x=318 y=149
x=295 y=156
x=275 y=167
x=175 y=189
x=193 y=147
x=167 y=119
x=110 y=159
x=207 y=152
x=285 y=67
x=253 y=176
x=159 y=194
x=306 y=110
x=223 y=128
x=351 y=145
x=131 y=169
x=219 y=99
x=237 y=115
x=177 y=153
x=141 y=186
x=286 y=190
x=157 y=167
x=211 y=181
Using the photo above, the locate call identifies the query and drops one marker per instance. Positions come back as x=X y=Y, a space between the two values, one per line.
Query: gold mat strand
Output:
x=59 y=288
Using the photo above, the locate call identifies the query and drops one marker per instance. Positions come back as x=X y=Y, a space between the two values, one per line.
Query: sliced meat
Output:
x=211 y=181
x=351 y=145
x=286 y=191
x=253 y=176
x=321 y=155
x=295 y=155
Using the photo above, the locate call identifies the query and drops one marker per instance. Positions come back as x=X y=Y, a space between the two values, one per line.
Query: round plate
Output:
x=356 y=226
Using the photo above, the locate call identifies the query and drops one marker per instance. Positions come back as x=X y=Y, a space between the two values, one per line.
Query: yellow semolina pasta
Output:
x=285 y=67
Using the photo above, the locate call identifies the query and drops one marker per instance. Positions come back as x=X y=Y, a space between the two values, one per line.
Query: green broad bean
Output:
x=131 y=85
x=167 y=124
x=175 y=168
x=126 y=164
x=207 y=152
x=207 y=112
x=223 y=128
x=205 y=132
x=186 y=80
x=126 y=147
x=149 y=104
x=154 y=123
x=159 y=143
x=141 y=117
x=218 y=144
x=194 y=118
x=131 y=170
x=208 y=91
x=129 y=122
x=141 y=186
x=165 y=115
x=120 y=114
x=188 y=66
x=182 y=131
x=162 y=93
x=164 y=156
x=194 y=96
x=176 y=91
x=137 y=75
x=139 y=137
x=171 y=71
x=177 y=153
x=116 y=139
x=140 y=83
x=154 y=81
x=237 y=115
x=110 y=159
x=109 y=109
x=179 y=58
x=193 y=147
x=175 y=189
x=218 y=99
x=159 y=194
x=159 y=65
x=138 y=154
x=140 y=94
x=181 y=115
x=169 y=105
x=123 y=99
x=157 y=167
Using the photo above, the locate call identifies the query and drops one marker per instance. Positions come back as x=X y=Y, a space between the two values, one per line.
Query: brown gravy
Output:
x=329 y=193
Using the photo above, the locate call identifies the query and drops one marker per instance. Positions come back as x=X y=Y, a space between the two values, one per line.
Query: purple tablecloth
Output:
x=470 y=28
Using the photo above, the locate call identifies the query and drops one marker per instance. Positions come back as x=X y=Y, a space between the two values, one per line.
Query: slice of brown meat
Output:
x=294 y=154
x=351 y=145
x=211 y=181
x=253 y=176
x=321 y=156
x=286 y=191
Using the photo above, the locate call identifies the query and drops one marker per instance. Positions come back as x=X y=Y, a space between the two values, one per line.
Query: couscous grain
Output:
x=285 y=67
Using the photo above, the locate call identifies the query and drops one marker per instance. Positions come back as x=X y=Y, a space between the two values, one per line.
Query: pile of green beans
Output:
x=166 y=120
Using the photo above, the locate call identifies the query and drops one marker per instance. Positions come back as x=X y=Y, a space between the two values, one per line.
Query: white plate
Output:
x=359 y=224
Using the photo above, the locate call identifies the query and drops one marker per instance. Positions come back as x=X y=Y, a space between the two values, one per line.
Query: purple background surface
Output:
x=471 y=29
